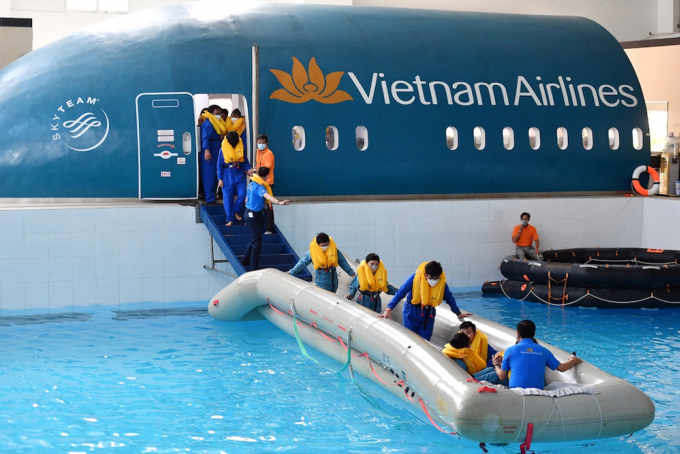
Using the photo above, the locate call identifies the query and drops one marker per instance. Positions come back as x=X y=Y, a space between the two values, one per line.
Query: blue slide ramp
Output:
x=232 y=241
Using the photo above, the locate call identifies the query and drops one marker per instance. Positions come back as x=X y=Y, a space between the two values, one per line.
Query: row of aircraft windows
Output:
x=479 y=135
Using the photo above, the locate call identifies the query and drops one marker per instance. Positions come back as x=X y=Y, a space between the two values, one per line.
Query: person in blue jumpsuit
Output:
x=232 y=168
x=258 y=193
x=326 y=257
x=212 y=132
x=429 y=285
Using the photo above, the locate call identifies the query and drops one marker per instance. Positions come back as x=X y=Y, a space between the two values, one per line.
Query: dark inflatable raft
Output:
x=607 y=278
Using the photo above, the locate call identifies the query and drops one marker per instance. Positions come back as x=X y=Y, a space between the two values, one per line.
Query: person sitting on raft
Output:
x=478 y=342
x=326 y=257
x=458 y=349
x=370 y=281
x=424 y=291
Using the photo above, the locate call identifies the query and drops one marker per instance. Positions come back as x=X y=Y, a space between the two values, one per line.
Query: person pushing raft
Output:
x=370 y=281
x=326 y=257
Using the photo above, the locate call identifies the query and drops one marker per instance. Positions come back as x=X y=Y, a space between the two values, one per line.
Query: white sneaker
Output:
x=267 y=233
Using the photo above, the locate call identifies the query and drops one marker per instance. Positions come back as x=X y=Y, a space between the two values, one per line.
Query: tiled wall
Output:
x=661 y=228
x=82 y=256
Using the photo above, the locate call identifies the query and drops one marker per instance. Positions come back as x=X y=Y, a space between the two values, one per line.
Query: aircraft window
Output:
x=362 y=138
x=534 y=138
x=298 y=138
x=562 y=138
x=637 y=138
x=614 y=138
x=451 y=138
x=480 y=138
x=587 y=136
x=332 y=138
x=508 y=138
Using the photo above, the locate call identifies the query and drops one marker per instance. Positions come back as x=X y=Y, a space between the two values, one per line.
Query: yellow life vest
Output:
x=473 y=362
x=258 y=179
x=422 y=293
x=232 y=154
x=480 y=344
x=372 y=282
x=323 y=259
x=219 y=124
x=239 y=126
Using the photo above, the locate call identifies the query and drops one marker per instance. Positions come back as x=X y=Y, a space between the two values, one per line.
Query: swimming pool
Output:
x=168 y=378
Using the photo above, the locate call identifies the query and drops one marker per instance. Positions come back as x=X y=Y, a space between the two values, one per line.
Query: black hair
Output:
x=466 y=325
x=434 y=269
x=322 y=238
x=205 y=109
x=236 y=111
x=263 y=172
x=372 y=256
x=526 y=329
x=232 y=138
x=460 y=340
x=213 y=107
x=522 y=215
x=263 y=137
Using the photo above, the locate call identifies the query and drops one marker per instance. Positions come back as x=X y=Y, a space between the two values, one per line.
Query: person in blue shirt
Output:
x=232 y=168
x=424 y=291
x=212 y=132
x=258 y=194
x=527 y=360
x=326 y=257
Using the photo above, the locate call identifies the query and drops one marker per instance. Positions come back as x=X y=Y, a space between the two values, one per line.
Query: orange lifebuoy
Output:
x=653 y=174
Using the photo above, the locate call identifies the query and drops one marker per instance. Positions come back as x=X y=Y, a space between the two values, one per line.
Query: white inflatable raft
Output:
x=584 y=403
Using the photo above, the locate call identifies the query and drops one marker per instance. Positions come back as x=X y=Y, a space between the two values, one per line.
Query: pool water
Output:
x=152 y=378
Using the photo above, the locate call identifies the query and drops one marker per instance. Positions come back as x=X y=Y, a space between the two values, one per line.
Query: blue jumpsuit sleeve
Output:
x=220 y=165
x=450 y=300
x=353 y=287
x=402 y=292
x=206 y=132
x=344 y=265
x=490 y=351
x=302 y=264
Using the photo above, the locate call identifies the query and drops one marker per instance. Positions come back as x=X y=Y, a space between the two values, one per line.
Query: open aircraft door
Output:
x=167 y=146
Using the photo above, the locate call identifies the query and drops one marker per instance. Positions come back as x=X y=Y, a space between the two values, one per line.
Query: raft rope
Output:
x=634 y=260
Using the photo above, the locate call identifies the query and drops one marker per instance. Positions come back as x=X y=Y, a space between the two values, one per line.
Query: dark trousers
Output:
x=255 y=221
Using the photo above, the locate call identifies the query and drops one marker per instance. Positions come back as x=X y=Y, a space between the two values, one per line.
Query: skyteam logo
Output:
x=81 y=125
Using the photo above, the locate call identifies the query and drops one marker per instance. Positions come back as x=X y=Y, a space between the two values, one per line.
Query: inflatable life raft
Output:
x=606 y=278
x=583 y=403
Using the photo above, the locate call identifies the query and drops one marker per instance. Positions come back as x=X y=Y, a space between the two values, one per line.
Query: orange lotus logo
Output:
x=304 y=85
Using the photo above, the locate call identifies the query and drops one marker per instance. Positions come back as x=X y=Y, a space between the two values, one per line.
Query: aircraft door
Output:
x=166 y=141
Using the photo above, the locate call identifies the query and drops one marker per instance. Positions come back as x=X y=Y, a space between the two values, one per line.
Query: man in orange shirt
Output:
x=523 y=235
x=265 y=158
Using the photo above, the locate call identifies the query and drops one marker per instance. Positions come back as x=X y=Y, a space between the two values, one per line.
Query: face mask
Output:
x=261 y=146
x=374 y=268
x=525 y=223
x=433 y=282
x=217 y=116
x=324 y=248
x=234 y=119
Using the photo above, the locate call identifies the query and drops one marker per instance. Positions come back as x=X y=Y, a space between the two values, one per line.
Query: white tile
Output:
x=84 y=268
x=108 y=291
x=401 y=273
x=366 y=213
x=284 y=216
x=478 y=275
x=479 y=210
x=12 y=247
x=386 y=254
x=131 y=290
x=405 y=255
x=479 y=253
x=442 y=212
x=37 y=294
x=60 y=245
x=84 y=244
x=12 y=296
x=107 y=267
x=424 y=212
x=153 y=289
x=479 y=232
x=385 y=235
x=35 y=222
x=500 y=231
x=424 y=234
x=461 y=232
x=130 y=266
x=198 y=288
x=195 y=263
x=175 y=242
x=175 y=217
x=130 y=219
x=460 y=210
x=385 y=213
x=176 y=265
x=365 y=235
x=61 y=294
x=106 y=243
x=153 y=242
x=12 y=222
x=106 y=220
x=61 y=269
x=153 y=265
x=404 y=235
x=423 y=254
x=459 y=276
x=84 y=293
x=36 y=246
x=303 y=214
x=60 y=221
x=198 y=241
x=11 y=271
x=404 y=212
x=345 y=237
x=130 y=243
x=460 y=253
x=175 y=289
x=36 y=270
x=84 y=220
x=346 y=214
x=153 y=218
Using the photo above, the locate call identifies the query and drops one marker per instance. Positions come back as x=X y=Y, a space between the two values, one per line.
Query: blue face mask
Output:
x=261 y=146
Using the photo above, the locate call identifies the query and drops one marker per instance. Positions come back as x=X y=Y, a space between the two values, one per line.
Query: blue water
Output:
x=174 y=379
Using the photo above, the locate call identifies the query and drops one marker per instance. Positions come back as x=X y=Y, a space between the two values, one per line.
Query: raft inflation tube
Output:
x=583 y=403
x=606 y=278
